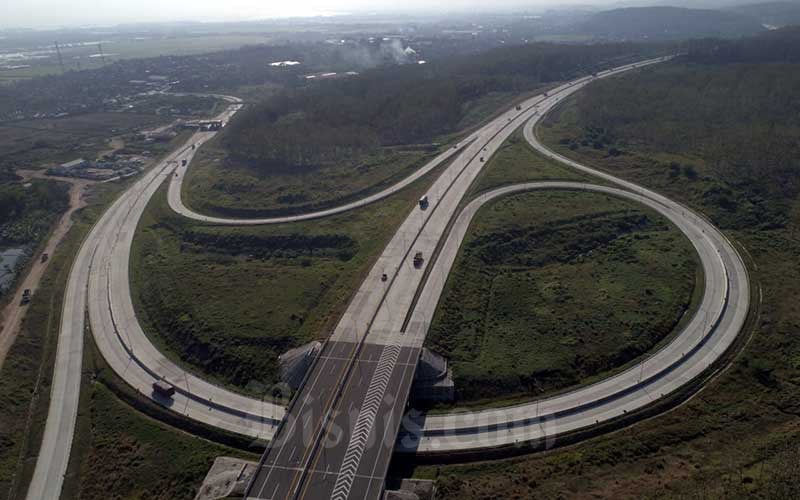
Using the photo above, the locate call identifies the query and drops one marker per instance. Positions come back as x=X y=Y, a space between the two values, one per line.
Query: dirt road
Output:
x=13 y=313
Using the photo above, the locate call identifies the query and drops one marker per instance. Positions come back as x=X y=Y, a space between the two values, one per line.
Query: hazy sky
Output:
x=54 y=13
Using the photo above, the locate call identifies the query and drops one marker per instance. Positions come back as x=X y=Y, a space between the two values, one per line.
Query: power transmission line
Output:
x=60 y=58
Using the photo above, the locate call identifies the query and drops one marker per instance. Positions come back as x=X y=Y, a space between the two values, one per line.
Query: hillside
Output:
x=329 y=122
x=781 y=45
x=669 y=23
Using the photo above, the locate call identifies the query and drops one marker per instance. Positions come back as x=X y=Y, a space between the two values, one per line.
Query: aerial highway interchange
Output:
x=341 y=428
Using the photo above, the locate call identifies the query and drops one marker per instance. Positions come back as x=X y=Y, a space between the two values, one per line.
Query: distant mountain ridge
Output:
x=773 y=14
x=666 y=23
x=781 y=46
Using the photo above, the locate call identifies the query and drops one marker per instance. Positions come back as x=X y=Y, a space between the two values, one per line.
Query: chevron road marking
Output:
x=366 y=418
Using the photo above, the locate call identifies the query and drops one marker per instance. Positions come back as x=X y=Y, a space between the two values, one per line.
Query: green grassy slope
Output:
x=227 y=301
x=219 y=185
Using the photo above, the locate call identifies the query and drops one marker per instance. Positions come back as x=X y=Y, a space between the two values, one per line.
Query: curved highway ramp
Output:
x=338 y=435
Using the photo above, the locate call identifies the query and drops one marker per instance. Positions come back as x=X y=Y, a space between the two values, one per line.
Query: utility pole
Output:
x=60 y=58
x=102 y=56
x=641 y=373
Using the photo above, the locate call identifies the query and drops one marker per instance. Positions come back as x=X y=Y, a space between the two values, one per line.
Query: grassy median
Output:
x=552 y=288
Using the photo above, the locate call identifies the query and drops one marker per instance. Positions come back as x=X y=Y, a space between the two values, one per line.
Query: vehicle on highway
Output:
x=26 y=297
x=423 y=202
x=183 y=163
x=163 y=388
x=45 y=256
x=384 y=277
x=418 y=260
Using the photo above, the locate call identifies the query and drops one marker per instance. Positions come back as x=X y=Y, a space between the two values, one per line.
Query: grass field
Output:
x=131 y=456
x=470 y=299
x=217 y=184
x=739 y=436
x=552 y=288
x=228 y=301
